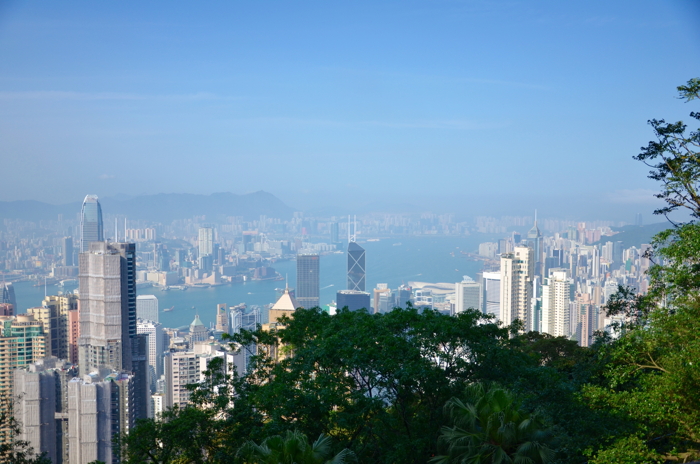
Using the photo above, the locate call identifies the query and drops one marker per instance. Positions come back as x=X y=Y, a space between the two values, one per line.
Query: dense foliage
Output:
x=408 y=387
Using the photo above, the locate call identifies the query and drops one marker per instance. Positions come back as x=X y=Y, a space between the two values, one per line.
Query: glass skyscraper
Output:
x=356 y=267
x=308 y=280
x=91 y=229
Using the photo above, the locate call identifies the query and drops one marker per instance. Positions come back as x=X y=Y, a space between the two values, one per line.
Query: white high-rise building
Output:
x=155 y=343
x=206 y=241
x=491 y=299
x=468 y=295
x=556 y=308
x=181 y=369
x=147 y=307
x=517 y=269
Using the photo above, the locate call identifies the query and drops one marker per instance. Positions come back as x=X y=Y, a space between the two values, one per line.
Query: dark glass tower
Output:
x=308 y=280
x=356 y=267
x=91 y=229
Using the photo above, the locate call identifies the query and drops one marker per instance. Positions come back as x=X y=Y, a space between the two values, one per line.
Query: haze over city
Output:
x=385 y=232
x=491 y=107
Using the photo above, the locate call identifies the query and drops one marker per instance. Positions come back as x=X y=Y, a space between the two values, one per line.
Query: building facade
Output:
x=308 y=280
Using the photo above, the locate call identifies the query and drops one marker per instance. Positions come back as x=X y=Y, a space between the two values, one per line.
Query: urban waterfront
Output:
x=392 y=261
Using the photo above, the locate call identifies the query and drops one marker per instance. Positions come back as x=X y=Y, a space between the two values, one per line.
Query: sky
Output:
x=444 y=105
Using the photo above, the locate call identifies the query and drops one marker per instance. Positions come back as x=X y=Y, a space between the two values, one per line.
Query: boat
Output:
x=397 y=244
x=167 y=310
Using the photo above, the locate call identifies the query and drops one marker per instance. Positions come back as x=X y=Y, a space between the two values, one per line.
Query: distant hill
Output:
x=635 y=235
x=164 y=207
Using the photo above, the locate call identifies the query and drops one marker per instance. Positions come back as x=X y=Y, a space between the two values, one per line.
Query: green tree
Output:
x=651 y=375
x=293 y=448
x=491 y=427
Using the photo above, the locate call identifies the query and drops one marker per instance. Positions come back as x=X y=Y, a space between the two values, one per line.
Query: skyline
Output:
x=508 y=105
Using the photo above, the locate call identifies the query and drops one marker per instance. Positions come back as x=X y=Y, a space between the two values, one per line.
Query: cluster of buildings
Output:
x=89 y=363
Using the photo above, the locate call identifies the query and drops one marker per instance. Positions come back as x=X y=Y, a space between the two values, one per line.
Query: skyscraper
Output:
x=308 y=280
x=107 y=306
x=67 y=251
x=206 y=241
x=468 y=295
x=556 y=298
x=7 y=296
x=147 y=307
x=491 y=286
x=91 y=228
x=516 y=286
x=534 y=241
x=356 y=267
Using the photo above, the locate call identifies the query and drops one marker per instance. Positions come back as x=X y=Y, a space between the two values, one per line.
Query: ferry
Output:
x=167 y=310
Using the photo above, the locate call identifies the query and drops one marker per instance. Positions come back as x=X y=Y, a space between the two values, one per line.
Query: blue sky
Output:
x=456 y=105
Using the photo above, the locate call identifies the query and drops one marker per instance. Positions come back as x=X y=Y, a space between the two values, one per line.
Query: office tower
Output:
x=353 y=300
x=356 y=267
x=181 y=369
x=8 y=295
x=243 y=318
x=53 y=315
x=491 y=287
x=67 y=251
x=198 y=331
x=468 y=295
x=108 y=341
x=534 y=241
x=107 y=306
x=335 y=233
x=221 y=318
x=638 y=219
x=556 y=298
x=206 y=241
x=403 y=296
x=516 y=286
x=22 y=343
x=147 y=307
x=91 y=229
x=156 y=345
x=308 y=280
x=382 y=299
x=98 y=410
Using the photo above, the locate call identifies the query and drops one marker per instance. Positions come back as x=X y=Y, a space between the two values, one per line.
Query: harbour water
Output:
x=390 y=261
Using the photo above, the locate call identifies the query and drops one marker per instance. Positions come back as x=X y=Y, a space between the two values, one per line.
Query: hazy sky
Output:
x=443 y=104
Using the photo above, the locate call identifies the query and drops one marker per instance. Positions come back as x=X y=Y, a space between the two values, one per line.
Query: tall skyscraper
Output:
x=383 y=302
x=308 y=280
x=356 y=267
x=107 y=306
x=91 y=228
x=147 y=307
x=206 y=241
x=516 y=286
x=468 y=295
x=7 y=295
x=491 y=287
x=556 y=308
x=534 y=241
x=67 y=251
x=22 y=342
x=156 y=341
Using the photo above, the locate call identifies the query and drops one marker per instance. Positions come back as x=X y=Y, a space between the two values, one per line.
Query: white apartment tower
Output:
x=517 y=269
x=206 y=241
x=556 y=298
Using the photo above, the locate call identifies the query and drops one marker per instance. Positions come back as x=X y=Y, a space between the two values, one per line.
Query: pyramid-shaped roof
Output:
x=286 y=302
x=197 y=321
